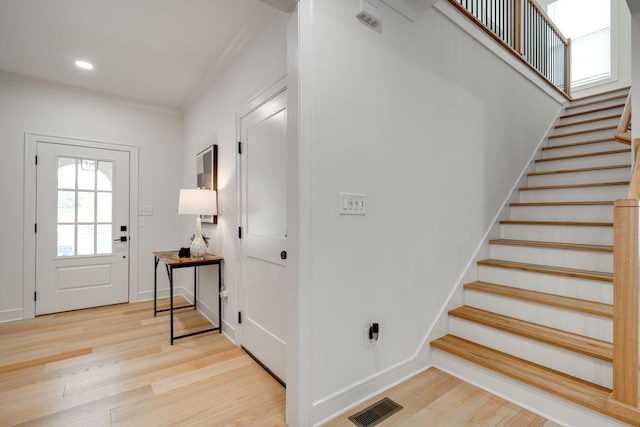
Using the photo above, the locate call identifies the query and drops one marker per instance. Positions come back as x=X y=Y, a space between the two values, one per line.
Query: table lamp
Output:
x=198 y=202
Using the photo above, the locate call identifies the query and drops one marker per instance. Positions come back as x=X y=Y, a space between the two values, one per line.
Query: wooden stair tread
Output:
x=582 y=132
x=559 y=223
x=573 y=389
x=600 y=276
x=567 y=340
x=557 y=187
x=606 y=92
x=568 y=303
x=597 y=168
x=552 y=245
x=582 y=122
x=578 y=103
x=577 y=144
x=577 y=156
x=595 y=110
x=599 y=202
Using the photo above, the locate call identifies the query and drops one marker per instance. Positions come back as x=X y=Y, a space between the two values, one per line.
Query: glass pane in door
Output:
x=84 y=207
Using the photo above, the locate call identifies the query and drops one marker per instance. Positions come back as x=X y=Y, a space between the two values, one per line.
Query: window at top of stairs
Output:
x=588 y=24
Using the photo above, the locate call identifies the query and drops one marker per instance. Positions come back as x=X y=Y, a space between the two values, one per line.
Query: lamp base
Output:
x=198 y=247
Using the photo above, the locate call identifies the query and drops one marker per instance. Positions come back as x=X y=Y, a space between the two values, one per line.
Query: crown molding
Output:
x=283 y=5
x=251 y=29
x=88 y=94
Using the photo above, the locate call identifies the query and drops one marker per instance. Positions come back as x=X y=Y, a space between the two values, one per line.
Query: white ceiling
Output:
x=150 y=50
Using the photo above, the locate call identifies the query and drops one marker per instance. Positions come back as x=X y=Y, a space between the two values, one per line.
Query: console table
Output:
x=172 y=261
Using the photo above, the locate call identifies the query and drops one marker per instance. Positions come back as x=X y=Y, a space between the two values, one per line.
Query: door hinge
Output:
x=36 y=160
x=239 y=147
x=239 y=317
x=239 y=232
x=35 y=228
x=35 y=296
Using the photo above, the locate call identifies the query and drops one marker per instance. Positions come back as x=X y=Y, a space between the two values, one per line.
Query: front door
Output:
x=82 y=219
x=264 y=232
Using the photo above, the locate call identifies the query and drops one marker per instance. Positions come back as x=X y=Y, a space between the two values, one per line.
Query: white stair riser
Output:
x=573 y=150
x=585 y=177
x=548 y=405
x=590 y=235
x=589 y=325
x=581 y=137
x=586 y=126
x=580 y=107
x=568 y=258
x=593 y=290
x=571 y=363
x=576 y=194
x=589 y=213
x=584 y=162
x=590 y=116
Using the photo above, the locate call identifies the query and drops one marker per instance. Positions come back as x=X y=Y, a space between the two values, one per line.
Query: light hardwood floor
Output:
x=435 y=398
x=114 y=366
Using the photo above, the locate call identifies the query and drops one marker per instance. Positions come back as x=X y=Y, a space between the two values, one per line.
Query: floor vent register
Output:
x=375 y=413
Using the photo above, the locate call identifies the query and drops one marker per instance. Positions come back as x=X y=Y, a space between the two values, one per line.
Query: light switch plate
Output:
x=145 y=210
x=352 y=204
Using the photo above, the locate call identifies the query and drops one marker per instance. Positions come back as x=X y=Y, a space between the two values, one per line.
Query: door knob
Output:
x=122 y=239
x=283 y=255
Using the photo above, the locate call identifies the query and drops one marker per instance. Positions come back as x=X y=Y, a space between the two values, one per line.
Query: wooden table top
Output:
x=171 y=259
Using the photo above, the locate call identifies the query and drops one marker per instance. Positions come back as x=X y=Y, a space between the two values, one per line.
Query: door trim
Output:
x=29 y=209
x=271 y=92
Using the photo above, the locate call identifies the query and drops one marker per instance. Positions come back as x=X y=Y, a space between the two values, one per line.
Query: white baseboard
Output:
x=11 y=315
x=342 y=401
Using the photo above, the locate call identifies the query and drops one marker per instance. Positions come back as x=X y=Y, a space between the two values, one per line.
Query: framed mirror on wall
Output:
x=207 y=175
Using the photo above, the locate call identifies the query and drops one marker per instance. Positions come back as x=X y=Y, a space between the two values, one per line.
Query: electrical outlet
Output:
x=367 y=342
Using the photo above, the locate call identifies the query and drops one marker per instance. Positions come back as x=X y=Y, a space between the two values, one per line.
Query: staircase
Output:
x=540 y=312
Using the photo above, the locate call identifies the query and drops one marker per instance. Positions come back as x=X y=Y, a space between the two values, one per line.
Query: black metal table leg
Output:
x=219 y=297
x=171 y=300
x=195 y=287
x=156 y=260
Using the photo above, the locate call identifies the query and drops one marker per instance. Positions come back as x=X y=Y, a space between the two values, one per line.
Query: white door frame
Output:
x=255 y=102
x=29 y=201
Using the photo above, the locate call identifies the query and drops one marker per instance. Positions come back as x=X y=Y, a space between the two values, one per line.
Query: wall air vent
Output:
x=375 y=413
x=368 y=12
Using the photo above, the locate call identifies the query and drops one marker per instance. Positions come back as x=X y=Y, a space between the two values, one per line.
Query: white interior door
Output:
x=264 y=233
x=82 y=215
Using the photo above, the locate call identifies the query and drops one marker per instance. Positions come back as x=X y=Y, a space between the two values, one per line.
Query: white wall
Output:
x=158 y=136
x=435 y=130
x=258 y=63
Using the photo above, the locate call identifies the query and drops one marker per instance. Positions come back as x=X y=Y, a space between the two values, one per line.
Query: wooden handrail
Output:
x=511 y=35
x=634 y=184
x=622 y=133
x=548 y=20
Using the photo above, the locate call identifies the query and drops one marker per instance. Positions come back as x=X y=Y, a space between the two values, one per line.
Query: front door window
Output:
x=84 y=207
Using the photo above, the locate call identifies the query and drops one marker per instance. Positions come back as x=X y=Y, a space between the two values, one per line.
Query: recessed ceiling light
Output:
x=84 y=65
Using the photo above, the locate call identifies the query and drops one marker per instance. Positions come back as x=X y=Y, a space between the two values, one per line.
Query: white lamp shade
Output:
x=198 y=202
